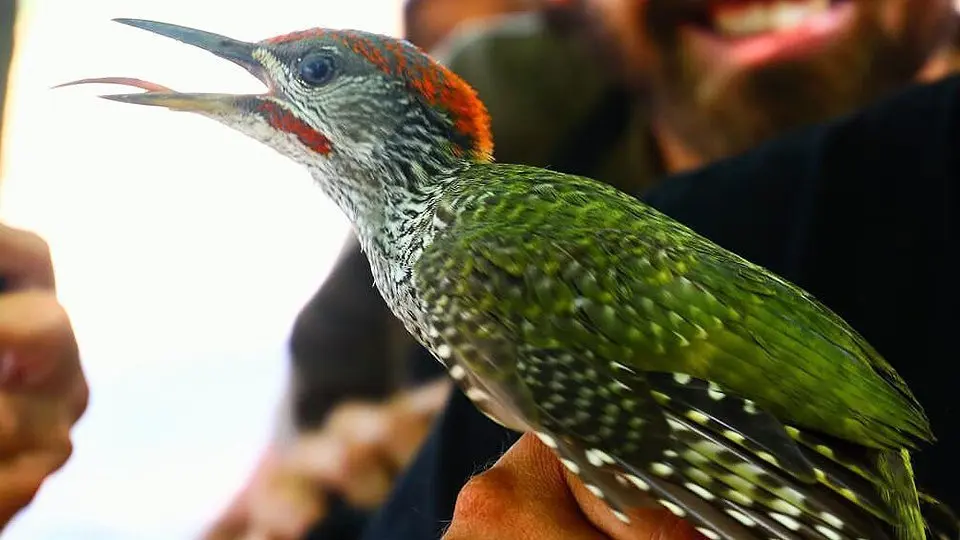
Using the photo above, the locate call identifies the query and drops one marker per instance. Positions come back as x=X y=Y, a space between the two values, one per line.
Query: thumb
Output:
x=648 y=523
x=524 y=493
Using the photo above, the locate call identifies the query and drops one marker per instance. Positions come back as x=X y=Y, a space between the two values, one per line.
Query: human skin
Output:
x=527 y=494
x=714 y=97
x=43 y=392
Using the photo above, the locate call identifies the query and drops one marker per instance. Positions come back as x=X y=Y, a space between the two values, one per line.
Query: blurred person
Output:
x=43 y=391
x=428 y=22
x=724 y=76
x=691 y=86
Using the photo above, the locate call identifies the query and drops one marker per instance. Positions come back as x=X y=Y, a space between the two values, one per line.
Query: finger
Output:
x=352 y=452
x=20 y=480
x=405 y=437
x=48 y=398
x=13 y=440
x=427 y=399
x=394 y=430
x=285 y=508
x=411 y=415
x=645 y=523
x=524 y=495
x=233 y=522
x=30 y=424
x=648 y=523
x=370 y=477
x=38 y=347
x=365 y=422
x=362 y=446
x=226 y=529
x=356 y=469
x=24 y=260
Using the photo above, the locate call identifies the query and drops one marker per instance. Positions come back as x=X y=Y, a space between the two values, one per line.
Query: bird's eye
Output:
x=316 y=69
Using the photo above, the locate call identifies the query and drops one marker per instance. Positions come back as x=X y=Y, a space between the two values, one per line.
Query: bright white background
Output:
x=183 y=252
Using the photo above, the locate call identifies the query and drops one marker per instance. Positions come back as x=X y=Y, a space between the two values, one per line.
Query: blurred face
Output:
x=428 y=22
x=728 y=74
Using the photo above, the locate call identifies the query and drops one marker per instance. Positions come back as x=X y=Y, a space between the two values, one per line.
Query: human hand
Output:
x=356 y=454
x=528 y=494
x=42 y=388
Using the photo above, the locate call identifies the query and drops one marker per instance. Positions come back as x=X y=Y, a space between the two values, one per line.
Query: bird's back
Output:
x=564 y=263
x=719 y=316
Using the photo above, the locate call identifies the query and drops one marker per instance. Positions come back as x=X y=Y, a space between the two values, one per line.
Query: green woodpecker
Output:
x=656 y=364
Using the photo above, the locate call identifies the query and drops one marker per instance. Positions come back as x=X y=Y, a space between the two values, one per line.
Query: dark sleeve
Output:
x=462 y=443
x=7 y=18
x=7 y=12
x=857 y=211
x=344 y=343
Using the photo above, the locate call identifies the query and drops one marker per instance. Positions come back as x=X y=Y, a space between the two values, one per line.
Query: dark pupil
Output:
x=316 y=69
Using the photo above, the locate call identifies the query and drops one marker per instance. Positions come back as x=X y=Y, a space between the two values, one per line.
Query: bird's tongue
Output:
x=157 y=95
x=123 y=81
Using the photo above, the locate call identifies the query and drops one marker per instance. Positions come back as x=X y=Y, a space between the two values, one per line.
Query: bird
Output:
x=659 y=367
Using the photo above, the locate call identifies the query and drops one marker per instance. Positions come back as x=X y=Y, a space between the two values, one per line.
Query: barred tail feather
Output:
x=814 y=485
x=705 y=516
x=737 y=473
x=751 y=480
x=852 y=471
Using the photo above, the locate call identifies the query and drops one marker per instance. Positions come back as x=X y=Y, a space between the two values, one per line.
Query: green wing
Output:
x=828 y=378
x=548 y=284
x=587 y=267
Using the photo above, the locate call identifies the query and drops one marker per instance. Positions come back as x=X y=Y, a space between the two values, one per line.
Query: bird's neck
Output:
x=390 y=201
x=387 y=190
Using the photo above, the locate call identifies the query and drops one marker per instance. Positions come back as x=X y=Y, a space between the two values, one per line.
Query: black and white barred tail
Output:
x=736 y=473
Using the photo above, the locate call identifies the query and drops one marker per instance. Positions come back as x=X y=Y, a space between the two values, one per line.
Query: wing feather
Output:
x=586 y=311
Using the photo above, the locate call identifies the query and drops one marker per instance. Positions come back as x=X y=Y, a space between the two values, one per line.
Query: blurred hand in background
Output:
x=42 y=388
x=356 y=454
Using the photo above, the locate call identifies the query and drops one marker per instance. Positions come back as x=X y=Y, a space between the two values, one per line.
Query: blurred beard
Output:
x=755 y=104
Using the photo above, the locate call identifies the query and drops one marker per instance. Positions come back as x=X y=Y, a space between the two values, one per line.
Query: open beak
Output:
x=238 y=52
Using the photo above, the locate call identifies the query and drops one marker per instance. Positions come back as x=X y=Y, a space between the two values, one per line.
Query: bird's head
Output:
x=339 y=101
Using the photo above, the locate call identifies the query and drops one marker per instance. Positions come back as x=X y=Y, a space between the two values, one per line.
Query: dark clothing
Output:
x=7 y=12
x=860 y=212
x=7 y=19
x=344 y=346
